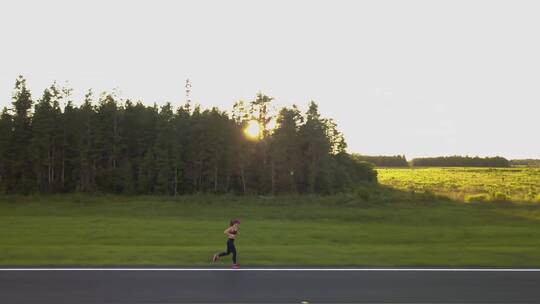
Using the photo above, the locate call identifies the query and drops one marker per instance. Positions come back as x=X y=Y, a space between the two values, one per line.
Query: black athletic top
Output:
x=232 y=232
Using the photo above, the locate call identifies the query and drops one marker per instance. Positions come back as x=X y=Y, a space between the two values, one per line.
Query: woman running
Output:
x=231 y=233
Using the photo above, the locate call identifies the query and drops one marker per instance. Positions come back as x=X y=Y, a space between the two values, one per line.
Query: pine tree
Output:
x=72 y=127
x=109 y=144
x=316 y=148
x=21 y=180
x=42 y=143
x=5 y=139
x=240 y=146
x=264 y=171
x=86 y=147
x=181 y=147
x=285 y=150
x=138 y=138
x=163 y=150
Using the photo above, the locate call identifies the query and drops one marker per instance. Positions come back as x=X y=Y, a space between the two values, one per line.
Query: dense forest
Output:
x=111 y=145
x=383 y=161
x=461 y=161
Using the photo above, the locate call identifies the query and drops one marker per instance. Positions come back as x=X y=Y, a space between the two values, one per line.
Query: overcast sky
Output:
x=419 y=78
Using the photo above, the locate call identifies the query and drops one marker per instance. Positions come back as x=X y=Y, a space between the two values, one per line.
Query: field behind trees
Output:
x=520 y=184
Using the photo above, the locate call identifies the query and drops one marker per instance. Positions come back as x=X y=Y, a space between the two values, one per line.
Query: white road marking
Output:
x=284 y=269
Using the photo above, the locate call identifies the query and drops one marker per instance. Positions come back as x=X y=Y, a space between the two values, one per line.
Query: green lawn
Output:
x=365 y=228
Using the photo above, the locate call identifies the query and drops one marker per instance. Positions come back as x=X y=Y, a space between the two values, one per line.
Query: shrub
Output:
x=477 y=198
x=362 y=193
x=428 y=196
x=500 y=197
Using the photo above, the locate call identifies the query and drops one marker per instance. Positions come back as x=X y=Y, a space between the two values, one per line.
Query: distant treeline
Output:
x=461 y=161
x=525 y=162
x=445 y=161
x=384 y=161
x=118 y=146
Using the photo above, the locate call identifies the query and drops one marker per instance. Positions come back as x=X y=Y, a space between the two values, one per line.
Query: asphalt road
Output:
x=259 y=286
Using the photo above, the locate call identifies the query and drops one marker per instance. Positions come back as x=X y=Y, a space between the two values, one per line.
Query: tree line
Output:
x=383 y=161
x=461 y=161
x=442 y=161
x=111 y=145
x=525 y=162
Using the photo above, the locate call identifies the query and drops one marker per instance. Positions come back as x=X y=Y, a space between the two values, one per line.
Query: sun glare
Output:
x=253 y=129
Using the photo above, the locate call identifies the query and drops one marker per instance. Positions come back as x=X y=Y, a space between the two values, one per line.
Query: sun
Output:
x=253 y=129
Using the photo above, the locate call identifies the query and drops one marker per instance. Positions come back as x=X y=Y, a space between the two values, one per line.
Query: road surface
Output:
x=268 y=286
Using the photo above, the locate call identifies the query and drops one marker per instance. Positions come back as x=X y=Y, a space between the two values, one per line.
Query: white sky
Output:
x=419 y=78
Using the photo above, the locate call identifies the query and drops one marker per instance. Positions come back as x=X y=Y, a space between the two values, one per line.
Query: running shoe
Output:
x=236 y=266
x=215 y=258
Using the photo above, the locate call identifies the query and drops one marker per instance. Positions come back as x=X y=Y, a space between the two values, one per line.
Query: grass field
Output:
x=367 y=227
x=468 y=184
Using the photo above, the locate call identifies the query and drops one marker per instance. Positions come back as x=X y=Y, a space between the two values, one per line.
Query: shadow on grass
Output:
x=363 y=195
